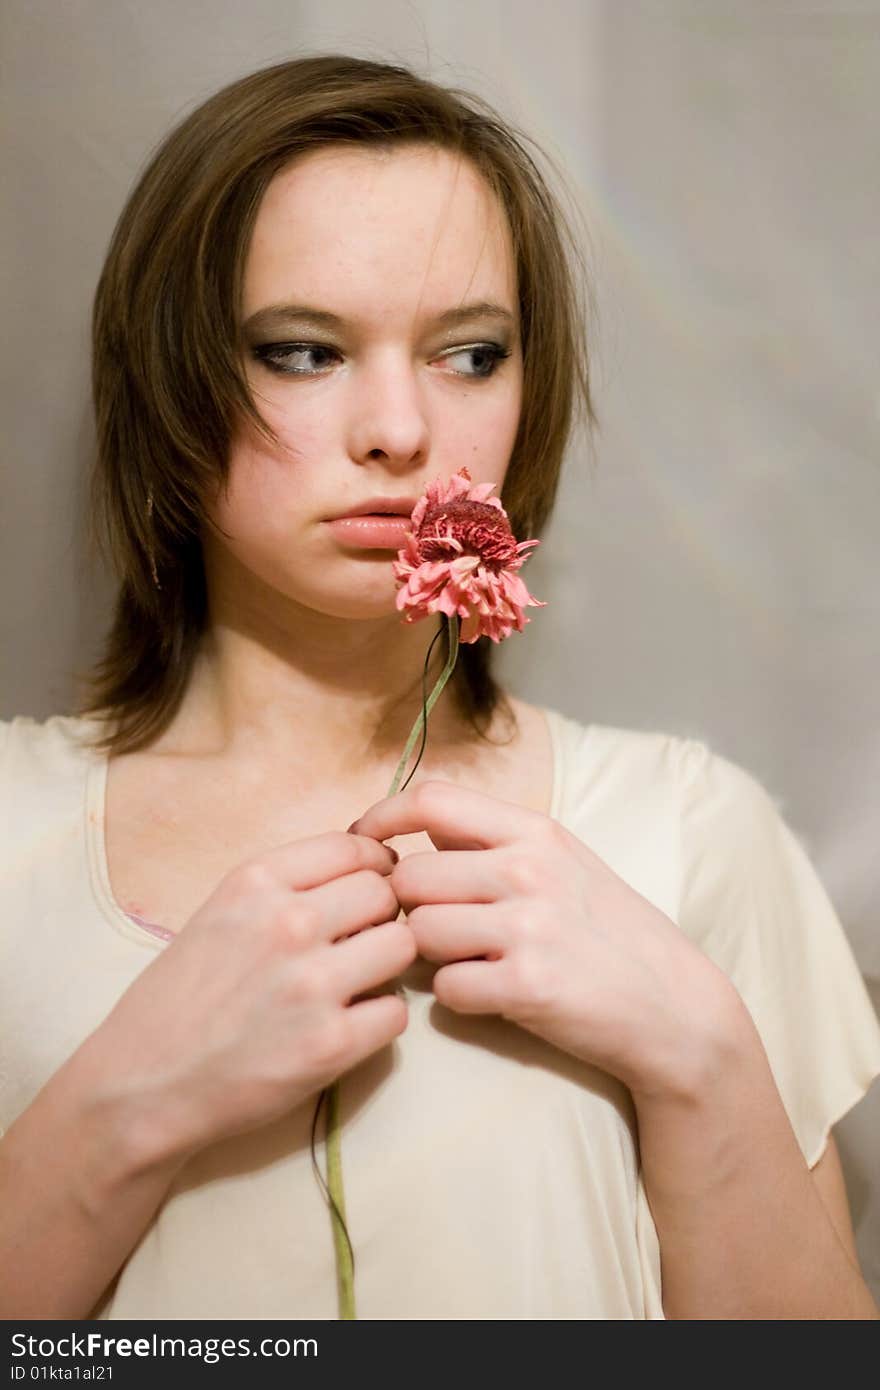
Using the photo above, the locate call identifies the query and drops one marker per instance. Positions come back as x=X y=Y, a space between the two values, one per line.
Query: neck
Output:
x=340 y=700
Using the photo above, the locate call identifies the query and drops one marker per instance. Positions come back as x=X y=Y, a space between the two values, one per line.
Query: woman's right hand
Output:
x=247 y=1012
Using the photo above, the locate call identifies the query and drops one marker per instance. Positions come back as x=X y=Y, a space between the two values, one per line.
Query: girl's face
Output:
x=380 y=332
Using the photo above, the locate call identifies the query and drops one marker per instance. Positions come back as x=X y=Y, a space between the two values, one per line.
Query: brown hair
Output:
x=168 y=383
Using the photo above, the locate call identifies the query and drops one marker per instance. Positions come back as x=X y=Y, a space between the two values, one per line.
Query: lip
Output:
x=370 y=532
x=402 y=506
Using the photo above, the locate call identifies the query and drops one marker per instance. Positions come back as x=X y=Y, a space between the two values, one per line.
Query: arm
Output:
x=831 y=1185
x=77 y=1192
x=238 y=1021
x=743 y=1225
x=581 y=959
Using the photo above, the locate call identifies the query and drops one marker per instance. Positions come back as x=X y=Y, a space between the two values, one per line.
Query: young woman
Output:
x=594 y=1020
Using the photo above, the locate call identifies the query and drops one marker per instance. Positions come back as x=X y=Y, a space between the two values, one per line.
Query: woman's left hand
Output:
x=530 y=924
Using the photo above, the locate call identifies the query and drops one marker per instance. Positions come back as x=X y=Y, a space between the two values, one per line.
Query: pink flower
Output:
x=461 y=557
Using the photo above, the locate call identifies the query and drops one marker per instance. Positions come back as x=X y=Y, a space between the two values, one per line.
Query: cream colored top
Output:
x=487 y=1174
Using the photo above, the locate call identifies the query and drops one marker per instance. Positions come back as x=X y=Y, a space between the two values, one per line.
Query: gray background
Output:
x=718 y=562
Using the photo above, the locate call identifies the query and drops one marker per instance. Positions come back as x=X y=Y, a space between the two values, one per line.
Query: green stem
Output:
x=431 y=702
x=344 y=1267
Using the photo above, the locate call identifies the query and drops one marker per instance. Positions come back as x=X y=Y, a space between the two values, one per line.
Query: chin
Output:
x=362 y=600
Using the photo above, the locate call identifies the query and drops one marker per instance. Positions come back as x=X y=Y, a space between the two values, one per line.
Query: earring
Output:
x=150 y=542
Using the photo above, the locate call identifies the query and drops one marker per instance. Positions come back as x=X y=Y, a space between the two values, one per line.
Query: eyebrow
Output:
x=277 y=315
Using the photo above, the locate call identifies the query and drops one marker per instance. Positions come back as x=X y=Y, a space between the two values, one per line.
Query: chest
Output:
x=173 y=830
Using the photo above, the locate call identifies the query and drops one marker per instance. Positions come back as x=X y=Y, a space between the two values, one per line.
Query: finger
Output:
x=352 y=902
x=308 y=863
x=451 y=876
x=473 y=987
x=457 y=933
x=371 y=1024
x=371 y=958
x=454 y=817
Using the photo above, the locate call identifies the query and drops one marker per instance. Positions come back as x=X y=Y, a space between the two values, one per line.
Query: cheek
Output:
x=486 y=437
x=507 y=420
x=264 y=483
x=299 y=413
x=266 y=474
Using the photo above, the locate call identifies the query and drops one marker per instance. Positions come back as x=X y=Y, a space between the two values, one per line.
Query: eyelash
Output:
x=263 y=353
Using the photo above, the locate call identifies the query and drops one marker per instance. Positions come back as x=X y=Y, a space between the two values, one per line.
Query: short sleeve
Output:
x=752 y=900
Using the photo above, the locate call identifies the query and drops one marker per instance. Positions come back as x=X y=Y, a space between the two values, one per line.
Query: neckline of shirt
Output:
x=136 y=928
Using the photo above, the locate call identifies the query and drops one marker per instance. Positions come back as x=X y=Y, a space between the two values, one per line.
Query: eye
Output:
x=314 y=359
x=485 y=358
x=275 y=355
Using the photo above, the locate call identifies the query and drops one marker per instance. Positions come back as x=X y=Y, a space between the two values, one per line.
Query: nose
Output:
x=389 y=417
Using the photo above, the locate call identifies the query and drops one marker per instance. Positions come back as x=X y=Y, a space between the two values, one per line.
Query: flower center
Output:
x=478 y=528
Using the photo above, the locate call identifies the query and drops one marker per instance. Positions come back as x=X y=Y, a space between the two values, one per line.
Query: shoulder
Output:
x=42 y=766
x=43 y=744
x=616 y=758
x=732 y=813
x=677 y=778
x=667 y=789
x=619 y=790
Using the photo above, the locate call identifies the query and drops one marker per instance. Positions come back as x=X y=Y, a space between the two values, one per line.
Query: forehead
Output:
x=369 y=230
